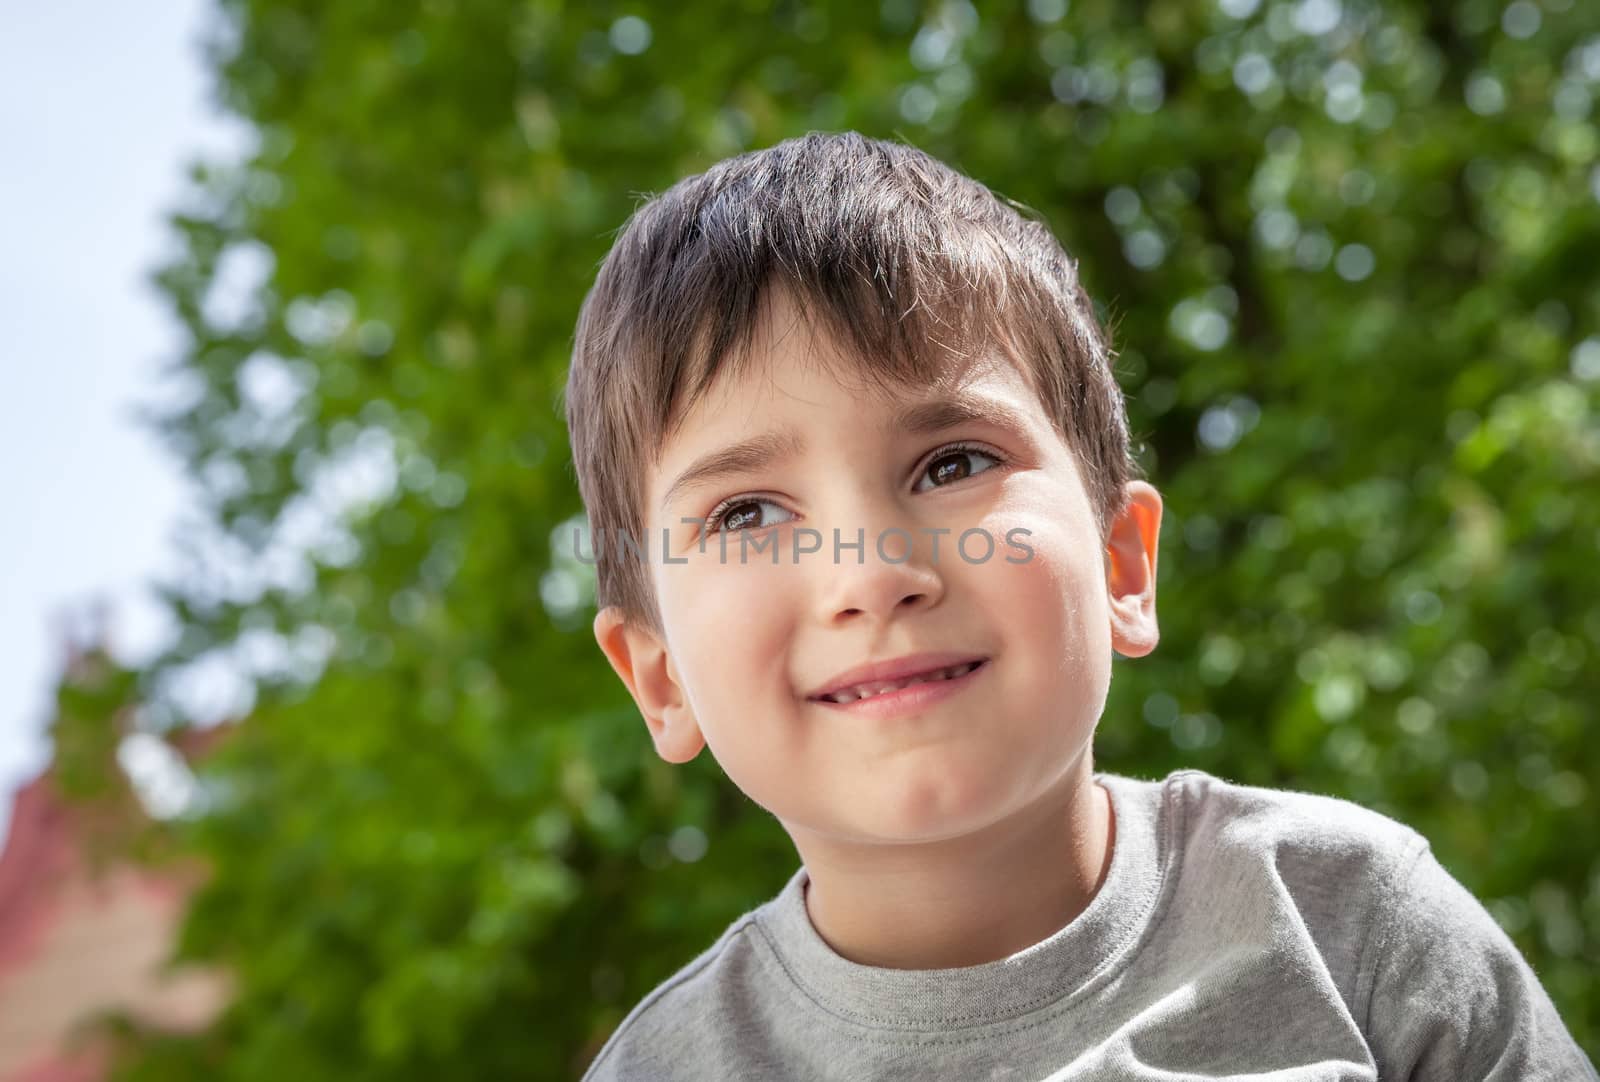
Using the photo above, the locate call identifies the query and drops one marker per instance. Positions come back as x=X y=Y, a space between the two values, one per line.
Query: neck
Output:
x=963 y=901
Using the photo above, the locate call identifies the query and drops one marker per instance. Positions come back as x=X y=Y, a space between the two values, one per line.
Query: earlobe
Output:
x=1131 y=572
x=641 y=661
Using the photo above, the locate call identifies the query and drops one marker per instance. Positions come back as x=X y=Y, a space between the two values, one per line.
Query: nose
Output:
x=881 y=584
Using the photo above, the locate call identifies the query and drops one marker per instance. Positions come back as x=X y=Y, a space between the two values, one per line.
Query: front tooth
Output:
x=863 y=691
x=867 y=691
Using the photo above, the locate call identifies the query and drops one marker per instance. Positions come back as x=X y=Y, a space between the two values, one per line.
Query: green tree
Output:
x=1347 y=250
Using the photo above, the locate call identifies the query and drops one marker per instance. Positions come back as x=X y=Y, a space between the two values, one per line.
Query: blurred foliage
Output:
x=1348 y=251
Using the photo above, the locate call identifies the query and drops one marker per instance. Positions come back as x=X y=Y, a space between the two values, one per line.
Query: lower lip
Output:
x=910 y=700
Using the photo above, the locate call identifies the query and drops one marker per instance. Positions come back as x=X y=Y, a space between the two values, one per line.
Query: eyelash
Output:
x=715 y=516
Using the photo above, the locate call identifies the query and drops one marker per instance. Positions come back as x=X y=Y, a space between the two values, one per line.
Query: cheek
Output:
x=1057 y=639
x=731 y=628
x=1057 y=593
x=727 y=626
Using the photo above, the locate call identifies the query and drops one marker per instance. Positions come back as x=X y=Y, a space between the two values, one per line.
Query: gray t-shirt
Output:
x=1239 y=931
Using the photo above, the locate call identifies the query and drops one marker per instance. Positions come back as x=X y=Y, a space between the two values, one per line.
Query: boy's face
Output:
x=747 y=644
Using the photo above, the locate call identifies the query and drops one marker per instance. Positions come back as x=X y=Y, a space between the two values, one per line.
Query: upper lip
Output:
x=899 y=668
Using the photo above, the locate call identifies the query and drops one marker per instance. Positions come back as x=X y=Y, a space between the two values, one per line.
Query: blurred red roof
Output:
x=79 y=937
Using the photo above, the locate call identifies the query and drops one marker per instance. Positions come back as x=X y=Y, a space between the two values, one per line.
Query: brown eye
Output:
x=955 y=464
x=741 y=515
x=952 y=467
x=744 y=514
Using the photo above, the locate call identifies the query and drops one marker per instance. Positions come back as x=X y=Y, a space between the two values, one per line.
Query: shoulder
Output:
x=1335 y=862
x=1452 y=996
x=671 y=1032
x=1300 y=831
x=1438 y=988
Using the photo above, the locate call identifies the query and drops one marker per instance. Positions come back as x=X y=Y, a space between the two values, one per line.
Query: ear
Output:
x=1131 y=572
x=642 y=662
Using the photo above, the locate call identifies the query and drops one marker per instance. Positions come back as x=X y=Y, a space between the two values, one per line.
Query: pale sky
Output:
x=101 y=107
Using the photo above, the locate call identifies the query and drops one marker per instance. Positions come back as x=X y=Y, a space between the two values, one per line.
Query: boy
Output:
x=867 y=525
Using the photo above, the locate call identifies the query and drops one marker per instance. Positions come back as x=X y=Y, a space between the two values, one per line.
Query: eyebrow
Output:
x=921 y=418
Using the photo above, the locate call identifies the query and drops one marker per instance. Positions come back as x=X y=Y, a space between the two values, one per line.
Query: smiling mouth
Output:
x=884 y=687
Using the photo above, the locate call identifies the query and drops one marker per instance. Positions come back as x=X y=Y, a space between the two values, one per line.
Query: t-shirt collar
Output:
x=1068 y=963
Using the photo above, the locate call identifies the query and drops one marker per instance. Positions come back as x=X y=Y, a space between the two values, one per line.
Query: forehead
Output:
x=797 y=389
x=789 y=354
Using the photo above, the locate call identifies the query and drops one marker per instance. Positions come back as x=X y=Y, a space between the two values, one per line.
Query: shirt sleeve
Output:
x=1452 y=998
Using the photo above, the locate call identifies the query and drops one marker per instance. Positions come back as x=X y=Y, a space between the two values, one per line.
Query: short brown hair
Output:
x=907 y=261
